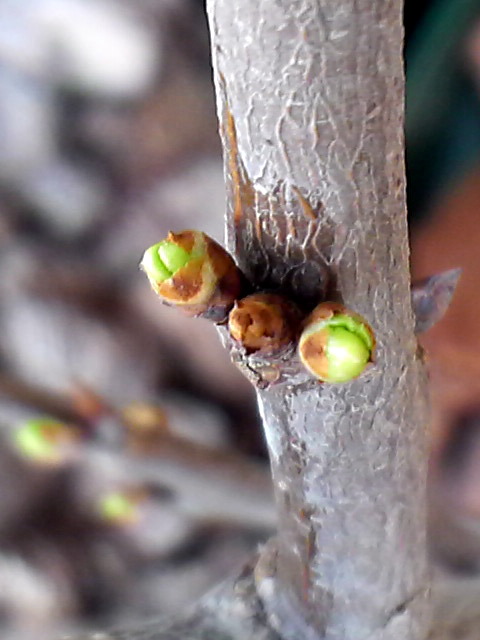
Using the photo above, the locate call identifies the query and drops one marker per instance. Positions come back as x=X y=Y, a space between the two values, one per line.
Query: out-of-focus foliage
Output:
x=443 y=144
x=108 y=140
x=443 y=104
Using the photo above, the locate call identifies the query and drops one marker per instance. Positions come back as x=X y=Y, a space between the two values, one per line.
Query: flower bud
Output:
x=264 y=323
x=44 y=440
x=192 y=271
x=336 y=344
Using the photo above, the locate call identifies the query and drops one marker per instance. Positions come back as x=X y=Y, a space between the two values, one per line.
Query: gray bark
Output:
x=310 y=99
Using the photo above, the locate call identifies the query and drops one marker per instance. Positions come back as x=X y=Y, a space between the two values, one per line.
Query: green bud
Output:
x=117 y=507
x=191 y=271
x=42 y=439
x=336 y=344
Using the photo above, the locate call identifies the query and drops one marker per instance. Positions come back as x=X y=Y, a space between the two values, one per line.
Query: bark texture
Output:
x=310 y=100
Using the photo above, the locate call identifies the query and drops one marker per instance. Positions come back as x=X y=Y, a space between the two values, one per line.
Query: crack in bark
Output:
x=401 y=608
x=398 y=610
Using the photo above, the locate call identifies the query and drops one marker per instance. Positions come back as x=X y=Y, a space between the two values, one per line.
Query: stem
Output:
x=310 y=100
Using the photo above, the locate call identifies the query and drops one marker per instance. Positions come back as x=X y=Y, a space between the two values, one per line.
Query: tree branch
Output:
x=310 y=97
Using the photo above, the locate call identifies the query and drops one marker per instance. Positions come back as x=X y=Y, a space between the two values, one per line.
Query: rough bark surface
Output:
x=311 y=108
x=310 y=102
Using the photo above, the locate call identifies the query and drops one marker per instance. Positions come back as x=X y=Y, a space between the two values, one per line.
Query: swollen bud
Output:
x=192 y=271
x=45 y=441
x=264 y=323
x=336 y=344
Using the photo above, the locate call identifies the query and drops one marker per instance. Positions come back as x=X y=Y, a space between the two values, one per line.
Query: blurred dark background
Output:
x=155 y=483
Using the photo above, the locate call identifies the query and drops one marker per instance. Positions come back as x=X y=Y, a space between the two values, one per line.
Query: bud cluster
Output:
x=193 y=272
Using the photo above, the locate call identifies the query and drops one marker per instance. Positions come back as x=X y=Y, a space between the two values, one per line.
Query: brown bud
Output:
x=336 y=344
x=146 y=427
x=264 y=323
x=192 y=271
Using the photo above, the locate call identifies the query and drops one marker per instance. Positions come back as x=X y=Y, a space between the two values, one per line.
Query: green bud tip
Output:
x=37 y=439
x=117 y=507
x=336 y=349
x=347 y=354
x=163 y=260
